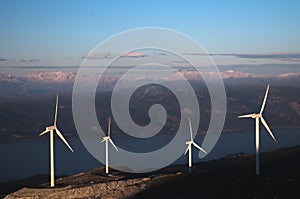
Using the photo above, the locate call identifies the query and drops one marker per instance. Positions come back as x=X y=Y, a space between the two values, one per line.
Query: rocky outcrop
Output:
x=114 y=190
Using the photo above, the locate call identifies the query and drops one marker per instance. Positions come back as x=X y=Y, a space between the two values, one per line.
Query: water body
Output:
x=24 y=159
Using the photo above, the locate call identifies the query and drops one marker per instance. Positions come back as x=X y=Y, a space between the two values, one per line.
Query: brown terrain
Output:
x=231 y=177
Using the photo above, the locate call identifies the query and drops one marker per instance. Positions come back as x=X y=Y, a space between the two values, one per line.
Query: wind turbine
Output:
x=190 y=143
x=107 y=139
x=51 y=129
x=257 y=117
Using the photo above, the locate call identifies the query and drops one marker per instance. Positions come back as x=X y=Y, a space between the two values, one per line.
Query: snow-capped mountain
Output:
x=51 y=77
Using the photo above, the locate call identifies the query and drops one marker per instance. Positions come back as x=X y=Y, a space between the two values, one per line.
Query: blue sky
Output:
x=60 y=32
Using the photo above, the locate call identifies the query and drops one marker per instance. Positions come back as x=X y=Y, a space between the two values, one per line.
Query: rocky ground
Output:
x=95 y=184
x=232 y=176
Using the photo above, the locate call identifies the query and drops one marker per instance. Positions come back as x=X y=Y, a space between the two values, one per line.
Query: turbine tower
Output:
x=190 y=143
x=107 y=139
x=258 y=117
x=51 y=129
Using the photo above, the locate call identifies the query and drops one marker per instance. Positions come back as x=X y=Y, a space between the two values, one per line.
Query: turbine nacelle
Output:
x=256 y=116
x=108 y=139
x=105 y=139
x=189 y=142
x=50 y=128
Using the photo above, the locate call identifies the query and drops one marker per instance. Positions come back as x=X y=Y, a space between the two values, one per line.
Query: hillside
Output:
x=232 y=176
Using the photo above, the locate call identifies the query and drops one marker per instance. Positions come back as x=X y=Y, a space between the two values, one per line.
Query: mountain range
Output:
x=27 y=103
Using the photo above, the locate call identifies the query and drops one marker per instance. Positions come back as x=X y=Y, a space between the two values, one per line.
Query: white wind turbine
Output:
x=107 y=139
x=51 y=130
x=190 y=143
x=257 y=117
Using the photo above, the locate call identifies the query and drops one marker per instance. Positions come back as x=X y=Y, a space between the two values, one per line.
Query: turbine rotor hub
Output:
x=106 y=138
x=50 y=128
x=256 y=116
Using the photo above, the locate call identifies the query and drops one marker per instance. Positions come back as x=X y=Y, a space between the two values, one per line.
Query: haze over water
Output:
x=25 y=159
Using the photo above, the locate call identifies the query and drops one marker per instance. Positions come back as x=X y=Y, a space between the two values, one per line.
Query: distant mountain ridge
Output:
x=69 y=77
x=26 y=103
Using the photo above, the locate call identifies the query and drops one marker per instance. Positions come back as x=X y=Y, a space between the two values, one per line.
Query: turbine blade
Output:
x=109 y=122
x=55 y=116
x=187 y=149
x=103 y=140
x=191 y=130
x=244 y=116
x=268 y=129
x=265 y=99
x=113 y=144
x=44 y=132
x=63 y=139
x=196 y=145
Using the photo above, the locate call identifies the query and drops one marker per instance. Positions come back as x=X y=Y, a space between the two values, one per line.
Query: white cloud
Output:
x=133 y=55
